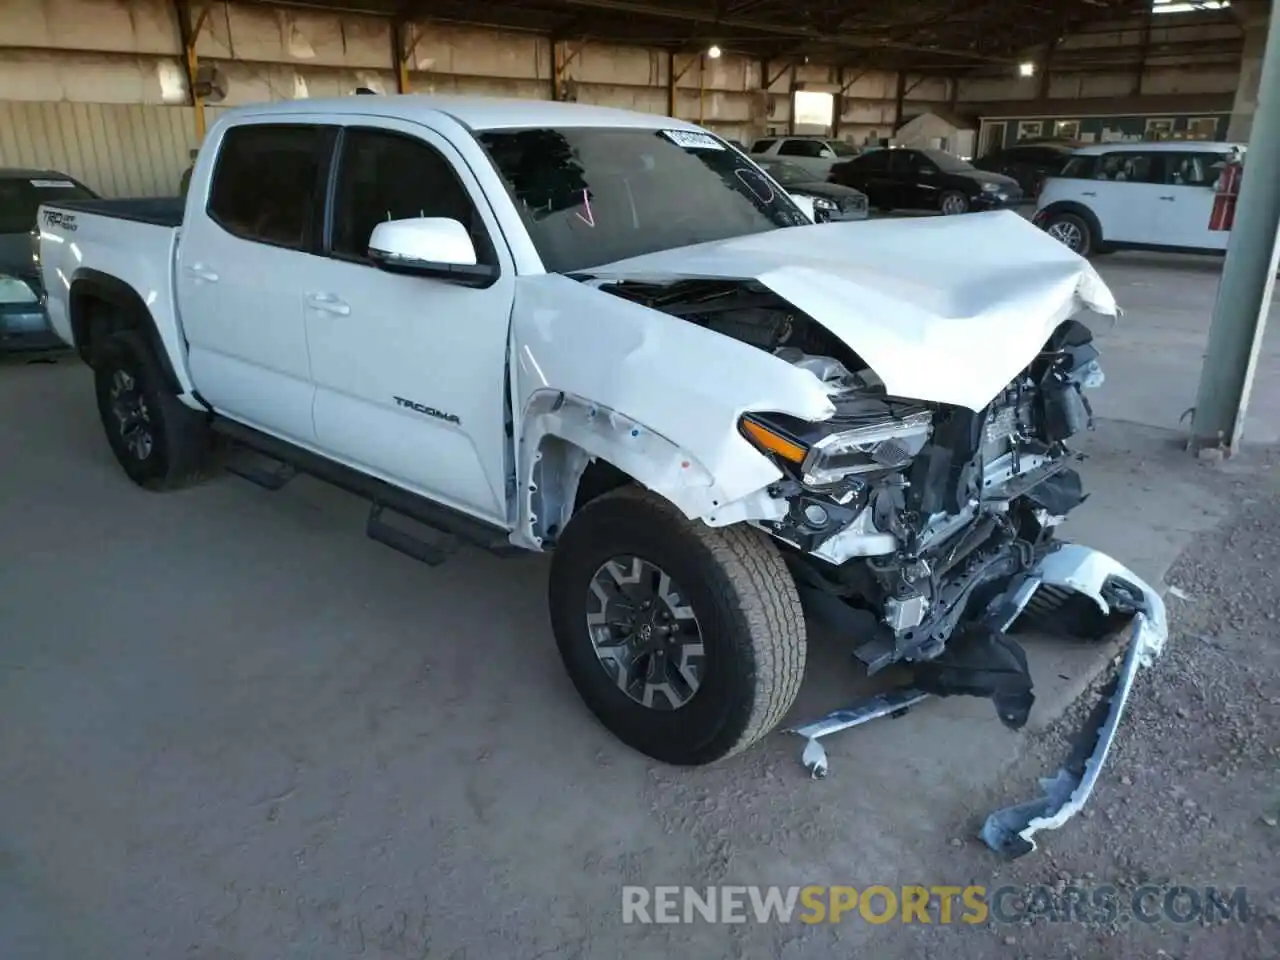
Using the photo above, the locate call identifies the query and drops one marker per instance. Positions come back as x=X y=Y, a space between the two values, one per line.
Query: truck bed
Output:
x=113 y=248
x=160 y=211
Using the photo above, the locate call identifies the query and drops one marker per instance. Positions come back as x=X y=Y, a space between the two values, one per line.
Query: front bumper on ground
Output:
x=1116 y=591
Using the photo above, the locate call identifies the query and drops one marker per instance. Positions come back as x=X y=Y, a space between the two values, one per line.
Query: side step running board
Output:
x=419 y=548
x=448 y=528
x=270 y=476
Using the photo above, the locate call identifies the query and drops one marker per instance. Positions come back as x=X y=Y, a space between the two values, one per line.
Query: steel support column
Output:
x=1248 y=276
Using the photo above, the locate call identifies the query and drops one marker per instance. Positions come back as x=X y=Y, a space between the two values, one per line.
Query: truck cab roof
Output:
x=476 y=113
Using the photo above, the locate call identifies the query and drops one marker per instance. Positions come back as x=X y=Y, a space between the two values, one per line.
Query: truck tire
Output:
x=686 y=641
x=159 y=442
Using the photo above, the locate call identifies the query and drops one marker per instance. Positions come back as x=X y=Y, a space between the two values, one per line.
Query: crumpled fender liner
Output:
x=561 y=434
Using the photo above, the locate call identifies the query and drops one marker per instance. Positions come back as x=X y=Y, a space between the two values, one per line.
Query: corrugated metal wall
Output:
x=119 y=150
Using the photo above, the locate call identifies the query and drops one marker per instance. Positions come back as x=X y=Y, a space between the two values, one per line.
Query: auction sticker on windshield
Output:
x=692 y=140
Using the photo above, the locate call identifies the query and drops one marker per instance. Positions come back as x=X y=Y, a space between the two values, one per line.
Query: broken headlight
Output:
x=828 y=459
x=880 y=446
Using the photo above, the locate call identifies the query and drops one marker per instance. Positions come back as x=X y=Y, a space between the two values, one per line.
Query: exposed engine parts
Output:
x=917 y=513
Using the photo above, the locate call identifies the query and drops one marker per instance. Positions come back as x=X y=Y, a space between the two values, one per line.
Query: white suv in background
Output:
x=1156 y=196
x=816 y=154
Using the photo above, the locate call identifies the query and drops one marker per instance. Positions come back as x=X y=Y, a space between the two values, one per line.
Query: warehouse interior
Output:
x=234 y=727
x=115 y=93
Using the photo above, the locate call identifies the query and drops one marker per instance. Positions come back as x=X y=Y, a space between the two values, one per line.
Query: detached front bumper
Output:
x=1114 y=588
x=1117 y=594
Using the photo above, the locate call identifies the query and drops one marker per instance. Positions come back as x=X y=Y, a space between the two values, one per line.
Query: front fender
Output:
x=656 y=396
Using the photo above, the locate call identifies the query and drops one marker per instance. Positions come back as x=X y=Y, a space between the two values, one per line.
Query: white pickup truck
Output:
x=550 y=327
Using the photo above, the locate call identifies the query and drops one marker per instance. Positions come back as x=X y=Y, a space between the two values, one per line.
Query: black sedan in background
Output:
x=900 y=178
x=24 y=325
x=1029 y=163
x=830 y=201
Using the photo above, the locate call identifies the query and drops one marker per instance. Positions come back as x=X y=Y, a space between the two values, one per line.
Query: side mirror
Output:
x=827 y=154
x=805 y=204
x=435 y=247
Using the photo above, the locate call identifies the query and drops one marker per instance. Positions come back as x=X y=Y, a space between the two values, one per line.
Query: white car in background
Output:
x=816 y=154
x=1155 y=196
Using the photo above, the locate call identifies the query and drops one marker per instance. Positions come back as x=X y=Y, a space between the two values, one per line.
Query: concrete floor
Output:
x=231 y=727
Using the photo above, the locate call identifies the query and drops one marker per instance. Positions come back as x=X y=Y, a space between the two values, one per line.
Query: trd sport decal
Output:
x=56 y=218
x=429 y=411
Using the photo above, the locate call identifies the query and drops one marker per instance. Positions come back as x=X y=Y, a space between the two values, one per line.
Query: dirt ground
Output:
x=232 y=728
x=1191 y=794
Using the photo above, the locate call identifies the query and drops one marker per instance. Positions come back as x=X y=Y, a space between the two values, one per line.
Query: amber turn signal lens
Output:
x=766 y=439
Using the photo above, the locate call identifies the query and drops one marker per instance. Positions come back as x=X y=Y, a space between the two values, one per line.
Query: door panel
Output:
x=1126 y=191
x=1186 y=202
x=408 y=370
x=1183 y=218
x=238 y=296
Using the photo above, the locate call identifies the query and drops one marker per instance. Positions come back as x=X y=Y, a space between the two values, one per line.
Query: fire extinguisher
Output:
x=1226 y=192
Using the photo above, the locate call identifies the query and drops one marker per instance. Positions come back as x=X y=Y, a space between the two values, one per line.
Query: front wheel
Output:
x=953 y=202
x=1072 y=232
x=686 y=641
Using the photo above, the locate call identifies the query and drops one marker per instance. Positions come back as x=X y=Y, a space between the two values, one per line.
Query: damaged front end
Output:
x=925 y=530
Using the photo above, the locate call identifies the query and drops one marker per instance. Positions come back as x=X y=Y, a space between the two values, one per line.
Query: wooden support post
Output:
x=837 y=103
x=702 y=88
x=404 y=41
x=562 y=54
x=671 y=83
x=1144 y=49
x=898 y=100
x=1046 y=69
x=556 y=54
x=189 y=33
x=791 y=102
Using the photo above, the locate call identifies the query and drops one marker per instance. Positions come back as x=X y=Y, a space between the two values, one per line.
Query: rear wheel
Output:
x=1072 y=231
x=159 y=442
x=686 y=641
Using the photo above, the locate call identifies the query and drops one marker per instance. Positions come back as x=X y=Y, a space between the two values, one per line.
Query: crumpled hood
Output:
x=943 y=309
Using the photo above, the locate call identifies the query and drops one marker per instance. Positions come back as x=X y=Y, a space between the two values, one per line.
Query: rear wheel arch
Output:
x=102 y=305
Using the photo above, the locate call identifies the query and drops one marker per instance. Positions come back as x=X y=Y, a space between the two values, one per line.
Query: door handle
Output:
x=328 y=303
x=1089 y=193
x=1170 y=199
x=201 y=272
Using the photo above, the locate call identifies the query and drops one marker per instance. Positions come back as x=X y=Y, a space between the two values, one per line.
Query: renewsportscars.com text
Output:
x=935 y=904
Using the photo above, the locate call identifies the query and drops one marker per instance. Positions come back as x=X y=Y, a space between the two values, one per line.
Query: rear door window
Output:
x=268 y=184
x=1193 y=169
x=760 y=146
